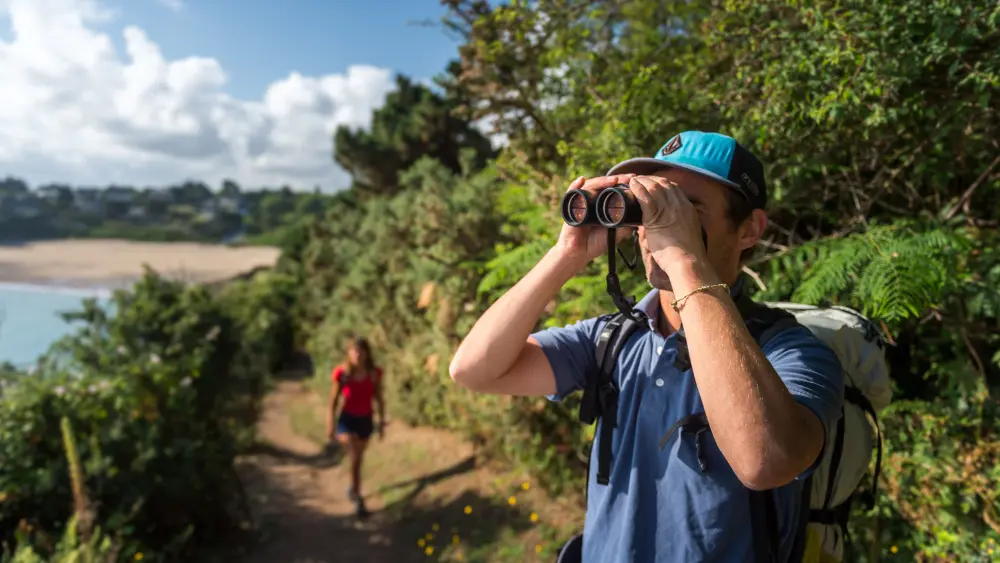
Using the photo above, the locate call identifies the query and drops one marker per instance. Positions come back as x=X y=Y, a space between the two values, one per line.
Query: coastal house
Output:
x=55 y=194
x=119 y=195
x=118 y=201
x=89 y=200
x=24 y=206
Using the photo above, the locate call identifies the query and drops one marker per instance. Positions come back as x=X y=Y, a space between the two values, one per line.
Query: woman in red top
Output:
x=359 y=381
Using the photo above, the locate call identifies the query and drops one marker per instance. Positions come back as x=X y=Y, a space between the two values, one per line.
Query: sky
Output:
x=156 y=92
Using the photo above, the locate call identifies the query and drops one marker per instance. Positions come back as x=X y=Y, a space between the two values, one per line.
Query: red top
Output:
x=357 y=393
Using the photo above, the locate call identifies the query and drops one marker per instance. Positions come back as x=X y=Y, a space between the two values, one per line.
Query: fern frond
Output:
x=891 y=272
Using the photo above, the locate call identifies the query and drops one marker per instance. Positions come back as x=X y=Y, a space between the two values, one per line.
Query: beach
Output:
x=114 y=263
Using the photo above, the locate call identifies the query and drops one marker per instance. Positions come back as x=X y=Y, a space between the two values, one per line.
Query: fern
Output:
x=890 y=272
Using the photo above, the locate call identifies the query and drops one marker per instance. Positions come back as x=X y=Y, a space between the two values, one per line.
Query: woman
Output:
x=360 y=383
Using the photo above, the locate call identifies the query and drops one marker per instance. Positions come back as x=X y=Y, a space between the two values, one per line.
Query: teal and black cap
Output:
x=713 y=155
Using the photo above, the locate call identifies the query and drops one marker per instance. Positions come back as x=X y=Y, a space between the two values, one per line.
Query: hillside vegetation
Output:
x=878 y=124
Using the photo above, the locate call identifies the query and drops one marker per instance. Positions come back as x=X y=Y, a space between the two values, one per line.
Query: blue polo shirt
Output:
x=658 y=506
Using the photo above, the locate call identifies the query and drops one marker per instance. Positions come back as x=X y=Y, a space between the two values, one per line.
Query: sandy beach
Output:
x=114 y=263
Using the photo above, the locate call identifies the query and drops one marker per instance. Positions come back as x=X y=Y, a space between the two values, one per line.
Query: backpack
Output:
x=825 y=500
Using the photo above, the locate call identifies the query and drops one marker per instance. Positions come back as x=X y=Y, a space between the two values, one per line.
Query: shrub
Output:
x=159 y=388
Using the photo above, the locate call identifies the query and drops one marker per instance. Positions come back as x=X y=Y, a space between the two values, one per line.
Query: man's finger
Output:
x=601 y=182
x=575 y=184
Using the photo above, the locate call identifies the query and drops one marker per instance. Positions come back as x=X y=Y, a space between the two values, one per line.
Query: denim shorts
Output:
x=360 y=426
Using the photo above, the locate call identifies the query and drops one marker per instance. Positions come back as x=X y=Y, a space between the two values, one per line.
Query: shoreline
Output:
x=108 y=264
x=62 y=288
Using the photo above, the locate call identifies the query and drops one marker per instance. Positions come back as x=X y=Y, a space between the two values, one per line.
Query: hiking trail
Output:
x=428 y=497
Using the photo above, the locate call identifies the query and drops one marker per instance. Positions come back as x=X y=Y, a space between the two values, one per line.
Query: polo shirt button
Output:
x=659 y=383
x=659 y=350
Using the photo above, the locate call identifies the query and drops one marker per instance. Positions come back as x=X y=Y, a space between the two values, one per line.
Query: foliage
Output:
x=414 y=122
x=160 y=389
x=878 y=123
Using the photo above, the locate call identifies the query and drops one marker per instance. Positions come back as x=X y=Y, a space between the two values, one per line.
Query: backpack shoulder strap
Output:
x=600 y=395
x=589 y=407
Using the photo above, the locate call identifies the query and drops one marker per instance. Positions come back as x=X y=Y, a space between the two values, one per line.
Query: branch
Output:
x=756 y=277
x=963 y=202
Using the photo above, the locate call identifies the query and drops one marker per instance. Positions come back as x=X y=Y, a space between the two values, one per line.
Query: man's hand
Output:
x=588 y=242
x=671 y=224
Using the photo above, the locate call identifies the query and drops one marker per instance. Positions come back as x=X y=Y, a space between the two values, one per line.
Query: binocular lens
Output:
x=617 y=207
x=613 y=207
x=578 y=208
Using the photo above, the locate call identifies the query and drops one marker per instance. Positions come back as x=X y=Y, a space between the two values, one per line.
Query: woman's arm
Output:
x=331 y=411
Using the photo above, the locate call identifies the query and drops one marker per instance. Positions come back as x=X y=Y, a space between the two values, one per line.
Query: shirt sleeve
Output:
x=337 y=374
x=570 y=350
x=813 y=374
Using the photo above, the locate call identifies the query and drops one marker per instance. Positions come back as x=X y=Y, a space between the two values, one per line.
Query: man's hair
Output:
x=738 y=208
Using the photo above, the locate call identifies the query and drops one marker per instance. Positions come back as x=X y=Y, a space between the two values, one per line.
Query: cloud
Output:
x=175 y=5
x=76 y=110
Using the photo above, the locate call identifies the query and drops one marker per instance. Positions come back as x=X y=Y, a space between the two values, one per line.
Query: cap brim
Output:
x=646 y=165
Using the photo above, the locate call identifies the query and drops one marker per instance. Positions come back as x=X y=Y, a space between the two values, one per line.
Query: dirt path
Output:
x=298 y=495
x=429 y=500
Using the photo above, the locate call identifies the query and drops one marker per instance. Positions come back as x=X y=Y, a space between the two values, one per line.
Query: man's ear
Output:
x=752 y=229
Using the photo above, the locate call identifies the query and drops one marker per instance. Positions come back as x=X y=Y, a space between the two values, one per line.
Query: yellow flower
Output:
x=429 y=536
x=435 y=527
x=512 y=501
x=894 y=549
x=538 y=548
x=454 y=539
x=138 y=556
x=429 y=550
x=421 y=542
x=534 y=517
x=525 y=485
x=468 y=510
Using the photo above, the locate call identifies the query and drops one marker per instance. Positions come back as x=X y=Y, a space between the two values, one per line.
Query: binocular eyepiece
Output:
x=612 y=208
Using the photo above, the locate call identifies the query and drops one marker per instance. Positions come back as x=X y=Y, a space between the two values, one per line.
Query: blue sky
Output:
x=259 y=41
x=153 y=92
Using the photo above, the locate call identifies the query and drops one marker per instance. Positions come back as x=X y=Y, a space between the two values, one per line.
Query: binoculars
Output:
x=612 y=208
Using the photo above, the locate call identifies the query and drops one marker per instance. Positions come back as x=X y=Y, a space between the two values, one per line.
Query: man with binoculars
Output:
x=672 y=494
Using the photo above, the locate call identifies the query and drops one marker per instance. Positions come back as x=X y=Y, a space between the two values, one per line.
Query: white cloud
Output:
x=175 y=5
x=75 y=110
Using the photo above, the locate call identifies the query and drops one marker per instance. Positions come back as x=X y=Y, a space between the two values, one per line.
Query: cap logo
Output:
x=671 y=147
x=750 y=184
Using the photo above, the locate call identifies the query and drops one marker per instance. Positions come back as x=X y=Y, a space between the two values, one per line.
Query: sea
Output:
x=30 y=322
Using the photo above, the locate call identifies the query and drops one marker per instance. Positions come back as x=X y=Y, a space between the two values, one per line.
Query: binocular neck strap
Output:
x=625 y=304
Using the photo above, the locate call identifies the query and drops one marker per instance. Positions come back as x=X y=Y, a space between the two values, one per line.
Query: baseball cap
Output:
x=714 y=155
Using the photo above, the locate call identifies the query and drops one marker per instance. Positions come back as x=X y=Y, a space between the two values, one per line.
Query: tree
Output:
x=414 y=122
x=13 y=186
x=230 y=189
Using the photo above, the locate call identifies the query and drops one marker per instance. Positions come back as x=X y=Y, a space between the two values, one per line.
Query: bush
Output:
x=161 y=389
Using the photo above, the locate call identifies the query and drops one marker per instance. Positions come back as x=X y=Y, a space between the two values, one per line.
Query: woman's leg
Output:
x=357 y=447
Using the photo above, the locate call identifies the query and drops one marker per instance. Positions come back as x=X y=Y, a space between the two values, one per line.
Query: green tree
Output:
x=414 y=122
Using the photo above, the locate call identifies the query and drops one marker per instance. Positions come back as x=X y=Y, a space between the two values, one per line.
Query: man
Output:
x=768 y=411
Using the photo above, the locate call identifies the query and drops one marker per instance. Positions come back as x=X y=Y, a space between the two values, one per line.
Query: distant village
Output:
x=190 y=210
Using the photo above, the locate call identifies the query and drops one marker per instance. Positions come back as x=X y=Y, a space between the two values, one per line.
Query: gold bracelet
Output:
x=697 y=290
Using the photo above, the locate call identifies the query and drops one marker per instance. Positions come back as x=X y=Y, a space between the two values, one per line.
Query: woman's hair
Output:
x=361 y=344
